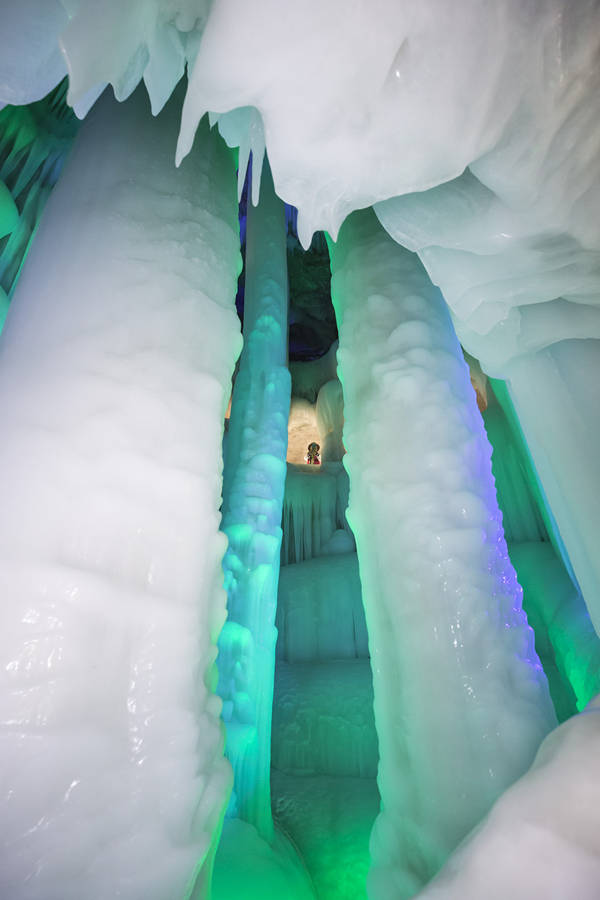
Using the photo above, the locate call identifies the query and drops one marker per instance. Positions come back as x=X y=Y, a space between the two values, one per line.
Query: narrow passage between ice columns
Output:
x=461 y=702
x=114 y=365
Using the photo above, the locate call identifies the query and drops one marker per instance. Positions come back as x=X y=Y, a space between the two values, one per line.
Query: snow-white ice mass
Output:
x=300 y=407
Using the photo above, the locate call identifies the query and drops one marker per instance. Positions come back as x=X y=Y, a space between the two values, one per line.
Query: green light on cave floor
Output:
x=330 y=821
x=324 y=824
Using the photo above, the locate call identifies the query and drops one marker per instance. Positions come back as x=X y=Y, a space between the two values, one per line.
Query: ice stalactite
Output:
x=461 y=702
x=254 y=481
x=115 y=367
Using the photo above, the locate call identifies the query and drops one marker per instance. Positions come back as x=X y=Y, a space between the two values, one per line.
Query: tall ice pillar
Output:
x=461 y=702
x=115 y=367
x=556 y=394
x=254 y=481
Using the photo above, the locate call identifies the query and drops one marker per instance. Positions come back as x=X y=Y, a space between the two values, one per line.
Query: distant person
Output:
x=313 y=457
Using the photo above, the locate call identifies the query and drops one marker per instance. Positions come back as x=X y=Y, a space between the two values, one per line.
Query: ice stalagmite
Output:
x=114 y=365
x=254 y=481
x=461 y=702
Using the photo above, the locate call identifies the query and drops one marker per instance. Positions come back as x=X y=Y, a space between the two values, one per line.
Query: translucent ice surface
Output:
x=115 y=367
x=254 y=480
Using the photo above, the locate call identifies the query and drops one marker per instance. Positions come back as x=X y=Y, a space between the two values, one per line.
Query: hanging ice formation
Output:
x=254 y=480
x=115 y=364
x=446 y=628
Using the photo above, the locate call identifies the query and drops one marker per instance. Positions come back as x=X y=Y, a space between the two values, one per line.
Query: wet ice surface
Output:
x=461 y=702
x=114 y=362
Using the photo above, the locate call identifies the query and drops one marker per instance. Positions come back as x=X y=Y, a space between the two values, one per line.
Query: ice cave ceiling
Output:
x=404 y=177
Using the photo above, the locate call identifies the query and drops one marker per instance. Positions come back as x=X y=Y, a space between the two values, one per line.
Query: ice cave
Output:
x=299 y=457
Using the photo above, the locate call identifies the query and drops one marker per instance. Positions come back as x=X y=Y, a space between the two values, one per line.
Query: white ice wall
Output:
x=114 y=365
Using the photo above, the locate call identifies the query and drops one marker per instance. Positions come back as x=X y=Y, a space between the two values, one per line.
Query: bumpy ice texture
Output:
x=461 y=702
x=504 y=183
x=254 y=481
x=114 y=366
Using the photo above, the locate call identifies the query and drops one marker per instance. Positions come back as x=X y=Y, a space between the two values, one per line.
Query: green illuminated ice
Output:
x=254 y=480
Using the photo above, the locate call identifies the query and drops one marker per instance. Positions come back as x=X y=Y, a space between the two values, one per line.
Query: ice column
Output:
x=461 y=702
x=254 y=481
x=114 y=364
x=556 y=393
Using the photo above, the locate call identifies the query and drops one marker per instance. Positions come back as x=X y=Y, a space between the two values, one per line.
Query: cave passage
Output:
x=225 y=672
